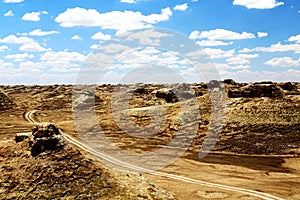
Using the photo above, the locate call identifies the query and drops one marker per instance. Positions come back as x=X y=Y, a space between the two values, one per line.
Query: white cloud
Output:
x=95 y=46
x=76 y=37
x=9 y=13
x=33 y=16
x=274 y=48
x=63 y=56
x=31 y=65
x=116 y=20
x=219 y=53
x=113 y=48
x=181 y=7
x=13 y=1
x=32 y=47
x=262 y=34
x=212 y=43
x=241 y=59
x=39 y=32
x=5 y=64
x=211 y=53
x=251 y=76
x=258 y=4
x=19 y=57
x=127 y=1
x=12 y=39
x=101 y=36
x=3 y=48
x=222 y=66
x=145 y=37
x=221 y=34
x=283 y=62
x=62 y=61
x=294 y=39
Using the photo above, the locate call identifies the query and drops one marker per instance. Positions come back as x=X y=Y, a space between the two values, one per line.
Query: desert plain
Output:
x=255 y=154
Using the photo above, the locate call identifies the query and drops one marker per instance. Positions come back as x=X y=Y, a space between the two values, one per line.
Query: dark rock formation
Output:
x=287 y=86
x=229 y=82
x=257 y=90
x=166 y=94
x=46 y=136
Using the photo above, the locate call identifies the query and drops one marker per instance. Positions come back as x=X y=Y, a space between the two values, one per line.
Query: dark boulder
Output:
x=44 y=136
x=287 y=86
x=229 y=82
x=257 y=90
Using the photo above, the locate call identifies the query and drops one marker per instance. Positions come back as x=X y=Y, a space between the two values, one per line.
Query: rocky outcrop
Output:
x=166 y=94
x=44 y=136
x=262 y=89
x=65 y=173
x=5 y=102
x=179 y=93
x=85 y=99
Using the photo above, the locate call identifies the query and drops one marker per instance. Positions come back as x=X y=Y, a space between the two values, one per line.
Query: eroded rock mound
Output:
x=44 y=136
x=65 y=173
x=262 y=89
x=5 y=102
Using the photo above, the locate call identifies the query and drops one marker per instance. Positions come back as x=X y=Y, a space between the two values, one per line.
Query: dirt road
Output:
x=197 y=184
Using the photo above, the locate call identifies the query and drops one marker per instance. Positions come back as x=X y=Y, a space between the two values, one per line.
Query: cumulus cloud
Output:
x=76 y=37
x=210 y=52
x=13 y=1
x=62 y=61
x=274 y=48
x=5 y=64
x=181 y=7
x=101 y=36
x=39 y=32
x=241 y=59
x=295 y=38
x=220 y=34
x=212 y=43
x=283 y=62
x=127 y=1
x=12 y=39
x=258 y=4
x=262 y=34
x=32 y=47
x=251 y=76
x=3 y=48
x=115 y=20
x=19 y=57
x=223 y=66
x=63 y=56
x=33 y=16
x=9 y=13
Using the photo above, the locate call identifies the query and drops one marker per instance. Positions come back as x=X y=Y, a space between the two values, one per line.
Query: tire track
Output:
x=28 y=116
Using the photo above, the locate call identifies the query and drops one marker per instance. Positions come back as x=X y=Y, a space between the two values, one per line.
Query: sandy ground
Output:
x=257 y=173
x=275 y=175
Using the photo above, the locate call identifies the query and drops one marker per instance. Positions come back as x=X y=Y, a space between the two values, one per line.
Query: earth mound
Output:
x=5 y=102
x=65 y=172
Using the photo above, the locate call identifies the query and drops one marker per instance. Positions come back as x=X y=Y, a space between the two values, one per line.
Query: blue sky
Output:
x=47 y=41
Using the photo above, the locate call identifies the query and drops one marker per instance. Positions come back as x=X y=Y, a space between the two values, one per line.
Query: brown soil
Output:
x=257 y=149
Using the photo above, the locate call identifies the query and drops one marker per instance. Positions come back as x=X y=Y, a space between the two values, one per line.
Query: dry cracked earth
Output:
x=251 y=129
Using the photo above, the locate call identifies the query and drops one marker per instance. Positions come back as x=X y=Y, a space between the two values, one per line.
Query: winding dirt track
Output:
x=29 y=117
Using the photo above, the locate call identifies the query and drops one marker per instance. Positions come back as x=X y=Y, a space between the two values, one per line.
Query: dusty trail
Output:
x=29 y=117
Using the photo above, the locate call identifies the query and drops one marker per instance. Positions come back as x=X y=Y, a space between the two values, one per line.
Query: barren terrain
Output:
x=256 y=155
